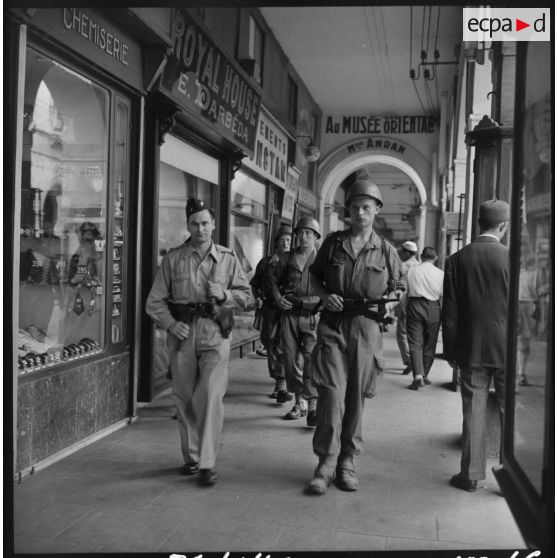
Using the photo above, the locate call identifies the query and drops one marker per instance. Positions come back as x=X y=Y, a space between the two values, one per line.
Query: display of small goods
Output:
x=117 y=247
x=37 y=351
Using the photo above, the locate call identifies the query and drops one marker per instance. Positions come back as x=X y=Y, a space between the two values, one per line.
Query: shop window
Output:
x=64 y=192
x=527 y=475
x=248 y=196
x=256 y=49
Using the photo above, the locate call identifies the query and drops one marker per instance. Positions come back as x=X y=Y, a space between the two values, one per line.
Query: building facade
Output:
x=120 y=115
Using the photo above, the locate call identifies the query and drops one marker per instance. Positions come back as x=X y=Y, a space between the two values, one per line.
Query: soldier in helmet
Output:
x=195 y=289
x=295 y=296
x=270 y=313
x=352 y=268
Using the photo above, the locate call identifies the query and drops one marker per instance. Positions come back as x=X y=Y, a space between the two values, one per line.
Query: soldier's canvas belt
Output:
x=353 y=307
x=185 y=312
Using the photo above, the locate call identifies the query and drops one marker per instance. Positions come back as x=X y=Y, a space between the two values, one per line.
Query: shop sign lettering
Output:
x=376 y=143
x=85 y=26
x=358 y=124
x=205 y=81
x=270 y=152
x=291 y=194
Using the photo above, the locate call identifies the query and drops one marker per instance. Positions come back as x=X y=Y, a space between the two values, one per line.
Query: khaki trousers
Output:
x=200 y=367
x=298 y=339
x=344 y=372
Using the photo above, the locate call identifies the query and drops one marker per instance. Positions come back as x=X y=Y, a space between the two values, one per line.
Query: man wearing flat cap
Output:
x=408 y=255
x=474 y=321
x=193 y=296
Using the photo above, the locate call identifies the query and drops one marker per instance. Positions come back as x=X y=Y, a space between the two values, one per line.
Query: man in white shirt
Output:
x=425 y=284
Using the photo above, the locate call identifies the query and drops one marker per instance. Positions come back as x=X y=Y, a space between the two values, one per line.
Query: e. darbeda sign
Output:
x=201 y=78
x=359 y=124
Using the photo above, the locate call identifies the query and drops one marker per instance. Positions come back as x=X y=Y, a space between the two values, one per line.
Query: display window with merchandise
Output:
x=70 y=217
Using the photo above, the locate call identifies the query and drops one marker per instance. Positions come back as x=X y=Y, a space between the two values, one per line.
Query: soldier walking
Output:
x=352 y=269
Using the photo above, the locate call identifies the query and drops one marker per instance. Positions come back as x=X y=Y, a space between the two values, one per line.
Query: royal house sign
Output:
x=206 y=82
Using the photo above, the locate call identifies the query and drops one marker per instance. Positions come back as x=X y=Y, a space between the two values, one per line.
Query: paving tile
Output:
x=404 y=544
x=34 y=544
x=326 y=541
x=212 y=535
x=135 y=530
x=491 y=530
x=47 y=521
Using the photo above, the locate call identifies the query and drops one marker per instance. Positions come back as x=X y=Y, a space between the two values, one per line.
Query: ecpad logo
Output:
x=506 y=24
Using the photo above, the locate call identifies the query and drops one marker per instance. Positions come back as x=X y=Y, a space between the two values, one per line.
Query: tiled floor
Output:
x=123 y=493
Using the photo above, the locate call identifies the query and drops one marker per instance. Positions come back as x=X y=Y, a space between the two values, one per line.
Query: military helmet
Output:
x=363 y=188
x=308 y=223
x=283 y=230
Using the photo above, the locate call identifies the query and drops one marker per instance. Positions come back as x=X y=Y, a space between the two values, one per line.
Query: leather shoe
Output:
x=459 y=481
x=426 y=381
x=318 y=485
x=208 y=477
x=190 y=468
x=312 y=418
x=407 y=369
x=346 y=479
x=283 y=396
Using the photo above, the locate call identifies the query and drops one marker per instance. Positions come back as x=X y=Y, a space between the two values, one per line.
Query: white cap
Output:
x=410 y=246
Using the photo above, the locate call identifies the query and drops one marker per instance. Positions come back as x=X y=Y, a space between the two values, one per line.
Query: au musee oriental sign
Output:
x=359 y=124
x=203 y=80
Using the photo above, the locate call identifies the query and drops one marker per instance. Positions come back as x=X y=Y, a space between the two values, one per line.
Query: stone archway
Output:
x=338 y=166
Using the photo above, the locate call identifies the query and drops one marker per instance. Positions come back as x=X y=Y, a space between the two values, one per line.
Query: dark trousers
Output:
x=475 y=384
x=423 y=325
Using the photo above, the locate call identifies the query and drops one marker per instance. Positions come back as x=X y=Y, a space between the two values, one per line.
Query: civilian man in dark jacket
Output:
x=474 y=321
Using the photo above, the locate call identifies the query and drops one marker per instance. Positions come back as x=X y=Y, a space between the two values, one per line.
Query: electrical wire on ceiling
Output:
x=415 y=75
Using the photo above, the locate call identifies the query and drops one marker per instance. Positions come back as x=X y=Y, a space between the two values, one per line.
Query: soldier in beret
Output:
x=474 y=321
x=195 y=290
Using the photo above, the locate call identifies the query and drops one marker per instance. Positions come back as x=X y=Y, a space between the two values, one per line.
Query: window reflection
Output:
x=63 y=215
x=534 y=280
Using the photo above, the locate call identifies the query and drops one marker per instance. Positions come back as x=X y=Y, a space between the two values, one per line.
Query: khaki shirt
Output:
x=287 y=277
x=365 y=276
x=184 y=275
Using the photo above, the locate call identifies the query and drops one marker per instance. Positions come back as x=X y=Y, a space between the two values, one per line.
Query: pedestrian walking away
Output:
x=270 y=313
x=193 y=296
x=408 y=255
x=353 y=269
x=474 y=322
x=424 y=297
x=299 y=304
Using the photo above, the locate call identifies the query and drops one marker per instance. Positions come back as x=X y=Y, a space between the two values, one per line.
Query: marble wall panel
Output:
x=57 y=411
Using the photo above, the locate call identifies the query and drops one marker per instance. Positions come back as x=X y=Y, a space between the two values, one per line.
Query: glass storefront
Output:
x=248 y=238
x=534 y=285
x=64 y=224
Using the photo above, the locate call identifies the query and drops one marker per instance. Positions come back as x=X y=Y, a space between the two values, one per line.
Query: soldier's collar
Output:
x=373 y=242
x=212 y=250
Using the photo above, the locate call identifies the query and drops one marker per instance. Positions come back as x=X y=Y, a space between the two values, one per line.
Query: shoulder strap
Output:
x=391 y=280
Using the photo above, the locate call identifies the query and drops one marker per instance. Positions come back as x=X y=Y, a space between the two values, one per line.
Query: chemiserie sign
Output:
x=202 y=79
